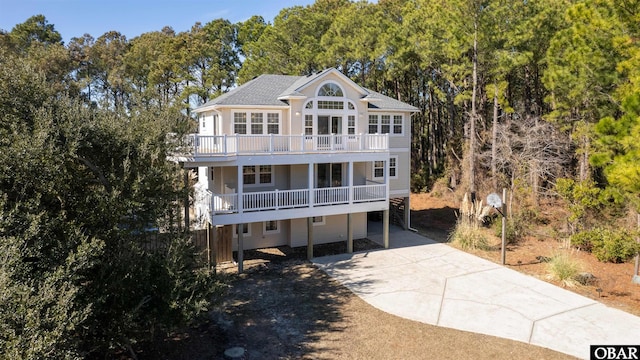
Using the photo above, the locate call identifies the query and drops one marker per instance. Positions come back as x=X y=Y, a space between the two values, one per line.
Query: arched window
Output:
x=330 y=89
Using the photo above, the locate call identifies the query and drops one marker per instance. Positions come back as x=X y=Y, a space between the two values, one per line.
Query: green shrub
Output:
x=584 y=239
x=608 y=245
x=516 y=228
x=588 y=203
x=619 y=247
x=564 y=268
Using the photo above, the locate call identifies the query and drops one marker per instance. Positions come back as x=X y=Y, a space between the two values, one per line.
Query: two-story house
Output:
x=299 y=160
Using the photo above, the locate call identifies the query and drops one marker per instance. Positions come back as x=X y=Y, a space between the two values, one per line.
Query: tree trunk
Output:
x=494 y=140
x=472 y=124
x=584 y=158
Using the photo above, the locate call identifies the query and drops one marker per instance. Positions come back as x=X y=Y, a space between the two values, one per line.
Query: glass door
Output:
x=324 y=132
x=329 y=131
x=336 y=129
x=329 y=175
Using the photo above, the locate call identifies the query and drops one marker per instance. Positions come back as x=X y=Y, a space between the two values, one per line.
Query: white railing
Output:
x=212 y=145
x=298 y=198
x=367 y=193
x=331 y=196
x=289 y=199
x=224 y=203
x=275 y=200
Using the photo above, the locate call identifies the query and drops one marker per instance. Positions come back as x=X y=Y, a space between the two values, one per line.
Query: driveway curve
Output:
x=420 y=279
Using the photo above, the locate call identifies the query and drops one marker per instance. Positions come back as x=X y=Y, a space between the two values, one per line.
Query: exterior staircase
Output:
x=396 y=211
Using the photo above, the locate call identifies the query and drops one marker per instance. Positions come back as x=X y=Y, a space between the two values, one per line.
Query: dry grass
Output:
x=467 y=234
x=564 y=268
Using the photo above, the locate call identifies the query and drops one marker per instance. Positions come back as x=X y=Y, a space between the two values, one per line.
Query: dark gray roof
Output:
x=262 y=90
x=302 y=81
x=265 y=90
x=383 y=102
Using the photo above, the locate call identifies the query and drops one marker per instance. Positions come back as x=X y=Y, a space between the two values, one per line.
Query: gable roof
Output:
x=275 y=90
x=262 y=90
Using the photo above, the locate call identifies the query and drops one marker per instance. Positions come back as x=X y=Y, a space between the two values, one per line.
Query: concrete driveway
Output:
x=433 y=283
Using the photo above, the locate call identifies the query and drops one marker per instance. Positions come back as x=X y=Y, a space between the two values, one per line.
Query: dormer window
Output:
x=330 y=89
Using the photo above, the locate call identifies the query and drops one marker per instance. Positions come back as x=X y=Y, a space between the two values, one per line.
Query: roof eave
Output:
x=218 y=107
x=292 y=97
x=205 y=108
x=394 y=109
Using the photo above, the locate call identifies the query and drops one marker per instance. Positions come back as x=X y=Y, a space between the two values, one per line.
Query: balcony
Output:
x=283 y=204
x=232 y=145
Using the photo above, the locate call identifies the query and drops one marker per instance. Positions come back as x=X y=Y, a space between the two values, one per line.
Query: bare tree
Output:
x=530 y=151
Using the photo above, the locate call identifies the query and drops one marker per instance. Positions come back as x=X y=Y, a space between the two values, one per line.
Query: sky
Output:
x=74 y=18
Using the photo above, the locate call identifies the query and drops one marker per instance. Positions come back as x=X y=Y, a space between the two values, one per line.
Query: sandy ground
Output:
x=283 y=307
x=433 y=217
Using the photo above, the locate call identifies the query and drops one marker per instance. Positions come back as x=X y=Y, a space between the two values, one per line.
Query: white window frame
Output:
x=264 y=123
x=340 y=106
x=269 y=232
x=269 y=123
x=308 y=127
x=247 y=127
x=378 y=123
x=246 y=230
x=394 y=117
x=330 y=83
x=374 y=167
x=395 y=167
x=351 y=127
x=257 y=119
x=323 y=220
x=257 y=173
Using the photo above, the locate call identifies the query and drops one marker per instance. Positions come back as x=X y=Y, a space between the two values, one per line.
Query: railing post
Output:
x=271 y=143
x=350 y=181
x=277 y=200
x=225 y=148
x=361 y=141
x=239 y=190
x=332 y=141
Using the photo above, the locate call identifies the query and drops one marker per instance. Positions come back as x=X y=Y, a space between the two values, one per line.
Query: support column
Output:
x=310 y=185
x=240 y=190
x=310 y=238
x=407 y=213
x=349 y=233
x=209 y=236
x=385 y=213
x=240 y=228
x=350 y=181
x=385 y=228
x=349 y=216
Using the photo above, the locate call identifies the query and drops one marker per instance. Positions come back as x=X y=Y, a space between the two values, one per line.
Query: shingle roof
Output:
x=267 y=90
x=383 y=102
x=262 y=90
